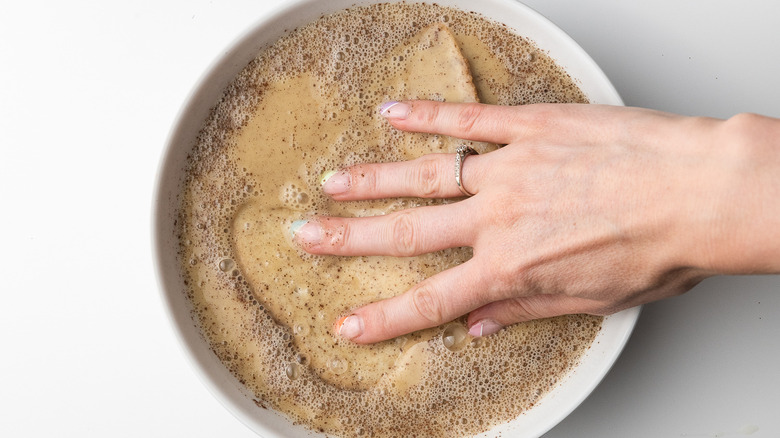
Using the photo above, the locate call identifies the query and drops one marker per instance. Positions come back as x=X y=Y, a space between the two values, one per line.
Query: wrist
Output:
x=738 y=225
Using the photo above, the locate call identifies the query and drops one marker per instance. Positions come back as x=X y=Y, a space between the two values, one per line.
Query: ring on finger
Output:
x=461 y=153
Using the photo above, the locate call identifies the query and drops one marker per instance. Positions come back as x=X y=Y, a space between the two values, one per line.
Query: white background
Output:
x=88 y=93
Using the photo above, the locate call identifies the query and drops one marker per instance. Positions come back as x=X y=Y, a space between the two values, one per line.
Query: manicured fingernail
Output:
x=395 y=110
x=306 y=232
x=335 y=182
x=350 y=327
x=485 y=327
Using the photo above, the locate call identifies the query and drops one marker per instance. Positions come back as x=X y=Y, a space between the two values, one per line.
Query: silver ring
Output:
x=461 y=153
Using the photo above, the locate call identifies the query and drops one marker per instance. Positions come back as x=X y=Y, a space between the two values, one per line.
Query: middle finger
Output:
x=404 y=233
x=429 y=176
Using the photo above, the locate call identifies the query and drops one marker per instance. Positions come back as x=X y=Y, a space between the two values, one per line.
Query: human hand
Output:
x=587 y=209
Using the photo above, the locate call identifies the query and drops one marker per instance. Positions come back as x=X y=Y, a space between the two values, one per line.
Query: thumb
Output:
x=492 y=317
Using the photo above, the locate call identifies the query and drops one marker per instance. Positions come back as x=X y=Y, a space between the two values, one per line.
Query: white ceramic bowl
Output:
x=555 y=406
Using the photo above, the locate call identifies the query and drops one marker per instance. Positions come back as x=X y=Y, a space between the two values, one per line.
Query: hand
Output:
x=587 y=209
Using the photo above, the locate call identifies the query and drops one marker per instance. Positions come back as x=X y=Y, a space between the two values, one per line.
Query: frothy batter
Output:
x=307 y=105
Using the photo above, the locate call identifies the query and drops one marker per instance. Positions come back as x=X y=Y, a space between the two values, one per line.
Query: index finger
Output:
x=438 y=299
x=489 y=123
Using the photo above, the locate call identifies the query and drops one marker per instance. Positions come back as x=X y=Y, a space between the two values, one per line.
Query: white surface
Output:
x=88 y=91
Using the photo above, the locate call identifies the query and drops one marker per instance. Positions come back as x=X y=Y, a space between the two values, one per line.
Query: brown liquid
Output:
x=306 y=105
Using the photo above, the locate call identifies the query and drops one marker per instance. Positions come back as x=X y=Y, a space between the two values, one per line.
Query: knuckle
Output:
x=336 y=234
x=426 y=176
x=379 y=321
x=431 y=117
x=427 y=304
x=522 y=309
x=365 y=178
x=404 y=235
x=505 y=211
x=536 y=121
x=467 y=118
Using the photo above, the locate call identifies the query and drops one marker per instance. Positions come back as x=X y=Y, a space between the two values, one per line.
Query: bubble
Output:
x=478 y=342
x=226 y=265
x=455 y=337
x=292 y=370
x=338 y=366
x=301 y=359
x=302 y=329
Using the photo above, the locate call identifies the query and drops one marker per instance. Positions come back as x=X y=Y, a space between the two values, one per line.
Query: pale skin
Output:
x=587 y=209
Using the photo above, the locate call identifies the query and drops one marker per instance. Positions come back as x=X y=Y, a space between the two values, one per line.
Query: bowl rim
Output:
x=215 y=377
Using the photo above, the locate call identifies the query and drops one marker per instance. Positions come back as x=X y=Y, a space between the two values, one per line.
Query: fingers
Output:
x=429 y=176
x=492 y=317
x=436 y=300
x=433 y=175
x=494 y=123
x=404 y=233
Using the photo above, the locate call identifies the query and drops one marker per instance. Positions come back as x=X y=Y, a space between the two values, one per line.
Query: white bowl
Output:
x=554 y=407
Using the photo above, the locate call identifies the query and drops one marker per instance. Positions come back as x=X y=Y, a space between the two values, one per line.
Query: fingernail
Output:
x=335 y=182
x=306 y=232
x=485 y=327
x=395 y=110
x=350 y=327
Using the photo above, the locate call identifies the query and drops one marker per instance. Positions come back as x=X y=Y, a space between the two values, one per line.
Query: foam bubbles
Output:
x=294 y=196
x=247 y=329
x=338 y=365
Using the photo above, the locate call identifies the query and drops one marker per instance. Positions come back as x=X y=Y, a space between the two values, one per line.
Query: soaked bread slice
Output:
x=430 y=66
x=427 y=66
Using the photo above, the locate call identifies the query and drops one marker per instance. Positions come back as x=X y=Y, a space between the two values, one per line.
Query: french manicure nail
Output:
x=485 y=327
x=350 y=327
x=335 y=182
x=395 y=110
x=306 y=232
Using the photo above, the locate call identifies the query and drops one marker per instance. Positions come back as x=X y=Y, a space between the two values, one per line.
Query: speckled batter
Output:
x=306 y=105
